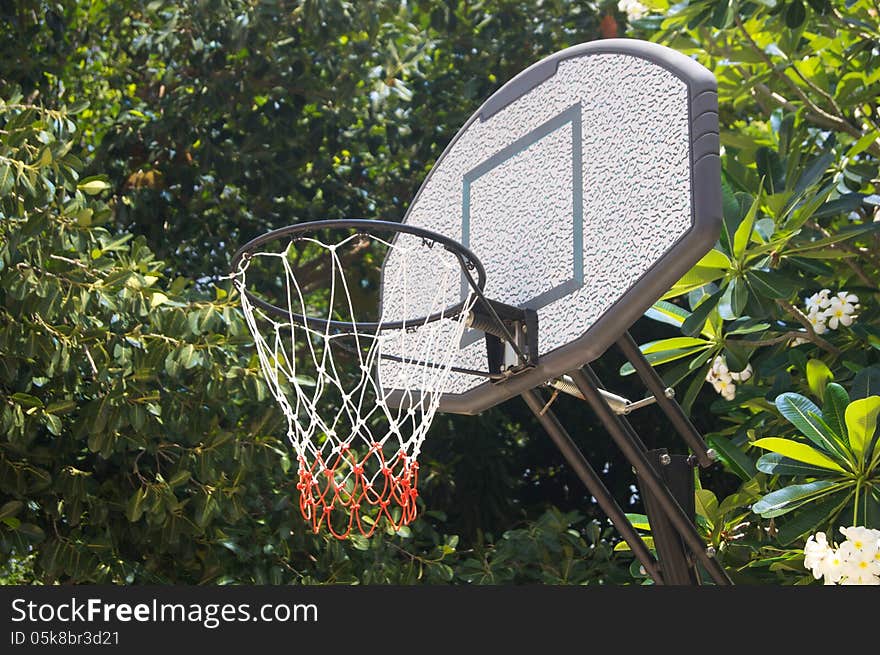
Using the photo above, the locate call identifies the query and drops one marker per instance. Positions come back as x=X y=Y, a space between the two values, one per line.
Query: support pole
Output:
x=670 y=407
x=593 y=483
x=587 y=383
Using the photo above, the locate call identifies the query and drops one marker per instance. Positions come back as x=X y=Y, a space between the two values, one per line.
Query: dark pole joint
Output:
x=670 y=407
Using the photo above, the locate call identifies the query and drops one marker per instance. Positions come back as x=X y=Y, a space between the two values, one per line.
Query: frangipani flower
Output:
x=855 y=562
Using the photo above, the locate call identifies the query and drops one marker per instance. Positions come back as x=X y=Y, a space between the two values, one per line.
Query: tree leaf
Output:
x=784 y=500
x=696 y=323
x=93 y=185
x=803 y=415
x=673 y=344
x=811 y=517
x=798 y=451
x=866 y=383
x=861 y=423
x=771 y=284
x=776 y=464
x=732 y=456
x=818 y=376
x=834 y=409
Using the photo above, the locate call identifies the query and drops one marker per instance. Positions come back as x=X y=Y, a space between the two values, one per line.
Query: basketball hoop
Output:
x=357 y=451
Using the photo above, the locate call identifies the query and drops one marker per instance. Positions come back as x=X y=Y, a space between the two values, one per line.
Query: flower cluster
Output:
x=633 y=9
x=854 y=562
x=724 y=380
x=826 y=311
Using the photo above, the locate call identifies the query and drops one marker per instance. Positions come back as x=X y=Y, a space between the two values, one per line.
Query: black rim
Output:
x=466 y=259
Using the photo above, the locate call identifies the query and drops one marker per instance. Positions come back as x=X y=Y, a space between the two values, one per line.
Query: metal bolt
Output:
x=669 y=392
x=712 y=454
x=665 y=459
x=710 y=551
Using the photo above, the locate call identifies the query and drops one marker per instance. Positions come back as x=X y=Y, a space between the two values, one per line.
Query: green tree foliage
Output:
x=139 y=442
x=797 y=94
x=140 y=143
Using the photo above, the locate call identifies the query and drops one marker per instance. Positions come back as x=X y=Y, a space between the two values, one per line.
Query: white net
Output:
x=358 y=400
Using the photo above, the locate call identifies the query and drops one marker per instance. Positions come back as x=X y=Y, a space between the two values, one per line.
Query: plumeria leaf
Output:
x=834 y=409
x=771 y=284
x=861 y=423
x=696 y=322
x=661 y=357
x=818 y=376
x=811 y=517
x=791 y=497
x=743 y=233
x=666 y=312
x=776 y=464
x=806 y=417
x=713 y=266
x=798 y=451
x=866 y=383
x=732 y=457
x=673 y=343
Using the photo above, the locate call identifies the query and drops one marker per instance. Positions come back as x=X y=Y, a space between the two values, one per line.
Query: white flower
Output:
x=723 y=379
x=817 y=320
x=742 y=375
x=840 y=312
x=847 y=297
x=831 y=567
x=855 y=562
x=815 y=552
x=633 y=9
x=862 y=539
x=819 y=300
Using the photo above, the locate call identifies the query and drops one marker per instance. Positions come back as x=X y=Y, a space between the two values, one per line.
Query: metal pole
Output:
x=669 y=406
x=586 y=381
x=593 y=483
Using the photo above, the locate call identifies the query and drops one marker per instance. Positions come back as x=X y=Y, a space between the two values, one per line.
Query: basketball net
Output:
x=357 y=453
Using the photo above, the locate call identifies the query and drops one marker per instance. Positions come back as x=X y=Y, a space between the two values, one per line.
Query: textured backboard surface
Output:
x=587 y=186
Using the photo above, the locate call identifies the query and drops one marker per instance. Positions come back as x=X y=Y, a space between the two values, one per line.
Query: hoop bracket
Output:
x=511 y=347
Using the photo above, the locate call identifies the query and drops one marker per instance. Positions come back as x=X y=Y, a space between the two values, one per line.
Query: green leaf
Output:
x=53 y=423
x=776 y=464
x=798 y=451
x=27 y=400
x=743 y=234
x=662 y=357
x=135 y=508
x=811 y=517
x=791 y=497
x=834 y=409
x=770 y=168
x=666 y=312
x=865 y=142
x=638 y=521
x=771 y=284
x=94 y=185
x=707 y=505
x=866 y=383
x=7 y=178
x=732 y=456
x=733 y=300
x=11 y=508
x=696 y=323
x=673 y=344
x=818 y=376
x=861 y=423
x=807 y=418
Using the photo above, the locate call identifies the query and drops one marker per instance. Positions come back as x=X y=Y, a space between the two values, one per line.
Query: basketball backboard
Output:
x=587 y=186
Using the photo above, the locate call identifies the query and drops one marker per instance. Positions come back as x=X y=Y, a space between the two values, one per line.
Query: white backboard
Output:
x=587 y=186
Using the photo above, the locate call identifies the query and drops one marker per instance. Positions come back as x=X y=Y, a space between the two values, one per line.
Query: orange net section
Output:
x=340 y=495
